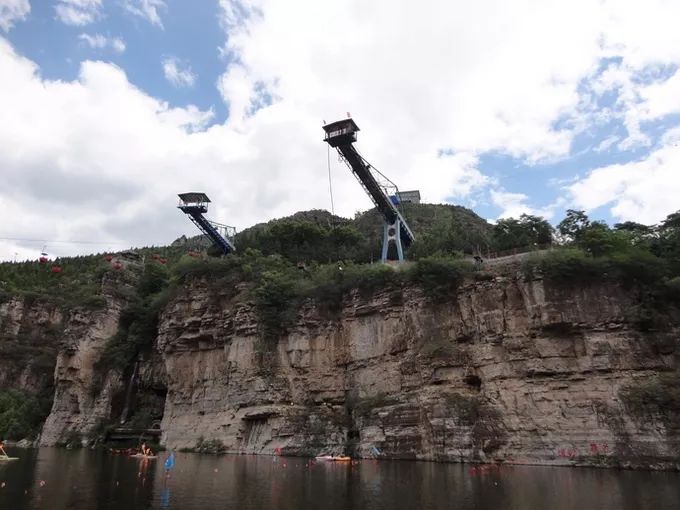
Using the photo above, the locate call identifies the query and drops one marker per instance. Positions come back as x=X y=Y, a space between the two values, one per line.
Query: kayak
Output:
x=141 y=456
x=331 y=458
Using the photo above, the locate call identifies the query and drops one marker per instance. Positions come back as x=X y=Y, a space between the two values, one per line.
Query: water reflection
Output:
x=79 y=479
x=165 y=498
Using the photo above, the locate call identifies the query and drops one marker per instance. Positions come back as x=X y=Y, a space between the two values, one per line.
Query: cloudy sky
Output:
x=109 y=108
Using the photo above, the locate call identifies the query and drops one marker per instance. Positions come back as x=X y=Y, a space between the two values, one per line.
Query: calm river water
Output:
x=79 y=479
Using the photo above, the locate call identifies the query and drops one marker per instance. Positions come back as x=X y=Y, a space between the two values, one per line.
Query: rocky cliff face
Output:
x=29 y=329
x=89 y=396
x=81 y=400
x=509 y=370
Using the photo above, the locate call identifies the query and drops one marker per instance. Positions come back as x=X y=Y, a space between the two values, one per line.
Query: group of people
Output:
x=144 y=450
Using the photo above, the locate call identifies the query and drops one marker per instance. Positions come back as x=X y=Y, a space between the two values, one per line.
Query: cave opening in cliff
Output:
x=473 y=381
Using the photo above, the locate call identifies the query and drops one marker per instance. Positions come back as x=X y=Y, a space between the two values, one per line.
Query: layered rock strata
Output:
x=507 y=370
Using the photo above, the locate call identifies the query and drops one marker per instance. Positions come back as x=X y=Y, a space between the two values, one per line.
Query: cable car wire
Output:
x=330 y=181
x=61 y=241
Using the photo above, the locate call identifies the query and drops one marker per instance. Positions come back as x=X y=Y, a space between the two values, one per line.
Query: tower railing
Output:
x=195 y=205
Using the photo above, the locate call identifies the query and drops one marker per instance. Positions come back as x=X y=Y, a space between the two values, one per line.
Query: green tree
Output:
x=639 y=234
x=529 y=230
x=668 y=243
x=598 y=239
x=573 y=225
x=21 y=413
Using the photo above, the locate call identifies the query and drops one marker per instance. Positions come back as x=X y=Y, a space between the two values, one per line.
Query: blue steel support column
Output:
x=392 y=232
x=386 y=242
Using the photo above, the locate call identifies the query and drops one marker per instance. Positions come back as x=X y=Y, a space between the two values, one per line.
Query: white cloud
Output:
x=12 y=11
x=177 y=74
x=100 y=42
x=661 y=98
x=78 y=12
x=645 y=191
x=101 y=159
x=606 y=144
x=118 y=44
x=97 y=159
x=470 y=78
x=640 y=97
x=436 y=66
x=513 y=205
x=147 y=9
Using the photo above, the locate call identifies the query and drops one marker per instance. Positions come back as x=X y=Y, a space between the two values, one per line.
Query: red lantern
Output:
x=43 y=260
x=117 y=266
x=56 y=269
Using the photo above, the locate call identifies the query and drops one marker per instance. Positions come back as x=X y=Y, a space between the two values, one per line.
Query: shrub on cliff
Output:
x=276 y=303
x=638 y=266
x=370 y=278
x=487 y=432
x=21 y=414
x=190 y=268
x=138 y=322
x=439 y=277
x=78 y=283
x=658 y=396
x=327 y=285
x=672 y=289
x=465 y=409
x=364 y=406
x=564 y=265
x=214 y=446
x=573 y=265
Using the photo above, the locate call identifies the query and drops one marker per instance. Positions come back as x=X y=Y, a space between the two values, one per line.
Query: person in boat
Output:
x=145 y=450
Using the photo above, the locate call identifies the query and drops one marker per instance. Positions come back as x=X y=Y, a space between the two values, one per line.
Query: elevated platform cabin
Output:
x=341 y=135
x=195 y=205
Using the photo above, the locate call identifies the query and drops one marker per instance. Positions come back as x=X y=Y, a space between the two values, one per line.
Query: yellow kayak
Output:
x=334 y=458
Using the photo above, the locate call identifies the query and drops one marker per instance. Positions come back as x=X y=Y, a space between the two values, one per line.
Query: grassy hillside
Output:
x=440 y=229
x=319 y=236
x=77 y=281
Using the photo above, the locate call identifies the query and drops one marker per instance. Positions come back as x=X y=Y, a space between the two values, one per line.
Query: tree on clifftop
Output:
x=573 y=225
x=668 y=243
x=529 y=230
